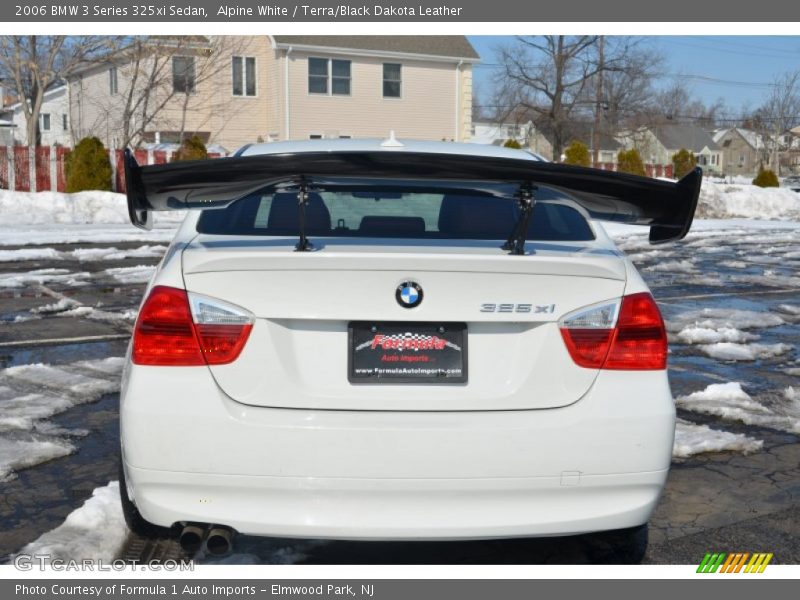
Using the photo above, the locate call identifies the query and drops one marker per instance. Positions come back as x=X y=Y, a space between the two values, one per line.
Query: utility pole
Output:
x=599 y=101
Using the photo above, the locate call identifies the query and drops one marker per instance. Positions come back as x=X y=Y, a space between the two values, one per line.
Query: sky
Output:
x=737 y=69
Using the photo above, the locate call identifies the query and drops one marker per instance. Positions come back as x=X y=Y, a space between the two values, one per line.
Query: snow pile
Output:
x=137 y=274
x=724 y=200
x=674 y=266
x=733 y=264
x=74 y=234
x=24 y=254
x=789 y=309
x=692 y=334
x=97 y=254
x=20 y=454
x=31 y=394
x=55 y=208
x=97 y=314
x=43 y=276
x=81 y=254
x=731 y=351
x=730 y=401
x=56 y=307
x=691 y=439
x=721 y=318
x=95 y=531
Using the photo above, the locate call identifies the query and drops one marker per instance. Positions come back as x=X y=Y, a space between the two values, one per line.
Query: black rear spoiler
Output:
x=667 y=207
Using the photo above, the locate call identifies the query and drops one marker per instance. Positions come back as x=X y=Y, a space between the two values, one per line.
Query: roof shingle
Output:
x=455 y=46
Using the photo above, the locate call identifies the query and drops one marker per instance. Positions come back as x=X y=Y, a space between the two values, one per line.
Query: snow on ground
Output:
x=691 y=334
x=730 y=401
x=732 y=351
x=81 y=254
x=97 y=254
x=18 y=454
x=74 y=234
x=93 y=217
x=55 y=208
x=24 y=254
x=725 y=200
x=630 y=237
x=723 y=318
x=137 y=274
x=95 y=531
x=674 y=266
x=43 y=276
x=31 y=394
x=98 y=314
x=691 y=439
x=789 y=309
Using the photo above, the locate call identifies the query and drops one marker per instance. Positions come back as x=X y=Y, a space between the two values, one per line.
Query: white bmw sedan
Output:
x=403 y=340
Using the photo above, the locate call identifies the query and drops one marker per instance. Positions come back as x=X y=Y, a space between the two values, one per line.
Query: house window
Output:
x=113 y=86
x=392 y=80
x=315 y=136
x=243 y=72
x=329 y=76
x=45 y=121
x=183 y=74
x=64 y=122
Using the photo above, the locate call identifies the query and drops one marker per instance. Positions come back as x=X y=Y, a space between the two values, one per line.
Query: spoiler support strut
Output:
x=516 y=241
x=302 y=201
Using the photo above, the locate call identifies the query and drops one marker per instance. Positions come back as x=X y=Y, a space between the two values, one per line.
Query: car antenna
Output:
x=302 y=201
x=516 y=241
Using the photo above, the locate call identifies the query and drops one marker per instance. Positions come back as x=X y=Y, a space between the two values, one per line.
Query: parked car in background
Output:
x=792 y=182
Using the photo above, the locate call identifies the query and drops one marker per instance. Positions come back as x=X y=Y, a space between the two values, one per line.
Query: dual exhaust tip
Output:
x=218 y=539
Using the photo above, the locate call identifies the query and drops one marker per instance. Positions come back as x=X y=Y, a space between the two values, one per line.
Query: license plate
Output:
x=428 y=353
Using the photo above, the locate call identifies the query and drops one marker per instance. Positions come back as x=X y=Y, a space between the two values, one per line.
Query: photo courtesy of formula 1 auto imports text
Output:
x=384 y=300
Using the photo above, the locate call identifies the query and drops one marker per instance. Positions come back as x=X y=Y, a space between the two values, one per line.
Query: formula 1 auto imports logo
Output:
x=734 y=562
x=407 y=341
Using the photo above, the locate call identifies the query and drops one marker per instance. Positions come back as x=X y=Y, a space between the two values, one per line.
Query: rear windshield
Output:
x=414 y=215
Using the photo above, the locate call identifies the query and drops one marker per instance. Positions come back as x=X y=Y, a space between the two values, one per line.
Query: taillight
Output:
x=222 y=328
x=626 y=335
x=179 y=329
x=588 y=332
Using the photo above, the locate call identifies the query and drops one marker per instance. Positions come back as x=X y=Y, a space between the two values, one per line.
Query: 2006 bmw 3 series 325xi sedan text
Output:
x=396 y=340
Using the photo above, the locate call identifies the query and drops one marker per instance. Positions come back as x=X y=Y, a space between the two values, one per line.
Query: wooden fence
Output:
x=42 y=169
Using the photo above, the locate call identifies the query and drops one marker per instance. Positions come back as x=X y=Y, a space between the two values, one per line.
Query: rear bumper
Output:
x=193 y=454
x=399 y=508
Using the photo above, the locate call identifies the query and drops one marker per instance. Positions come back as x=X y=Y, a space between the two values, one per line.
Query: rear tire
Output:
x=621 y=546
x=133 y=518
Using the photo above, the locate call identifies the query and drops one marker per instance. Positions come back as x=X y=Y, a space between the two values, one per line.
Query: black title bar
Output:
x=199 y=11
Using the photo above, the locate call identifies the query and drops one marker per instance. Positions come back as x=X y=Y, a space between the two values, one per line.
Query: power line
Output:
x=731 y=51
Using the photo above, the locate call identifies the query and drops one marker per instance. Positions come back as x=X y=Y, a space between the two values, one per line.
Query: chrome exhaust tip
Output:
x=219 y=541
x=191 y=538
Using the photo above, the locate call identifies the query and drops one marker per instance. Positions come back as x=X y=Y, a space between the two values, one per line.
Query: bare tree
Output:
x=33 y=64
x=629 y=92
x=161 y=83
x=552 y=76
x=781 y=112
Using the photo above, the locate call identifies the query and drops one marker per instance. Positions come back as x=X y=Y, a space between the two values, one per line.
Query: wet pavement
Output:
x=714 y=501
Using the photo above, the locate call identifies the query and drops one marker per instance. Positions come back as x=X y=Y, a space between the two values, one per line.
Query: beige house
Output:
x=235 y=90
x=742 y=150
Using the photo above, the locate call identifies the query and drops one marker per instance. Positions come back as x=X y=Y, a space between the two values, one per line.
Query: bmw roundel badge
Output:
x=408 y=294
